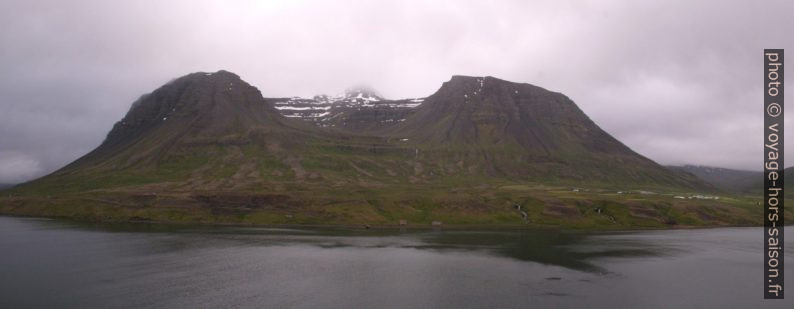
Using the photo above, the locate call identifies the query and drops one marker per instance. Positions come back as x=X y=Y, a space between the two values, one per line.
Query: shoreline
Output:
x=376 y=227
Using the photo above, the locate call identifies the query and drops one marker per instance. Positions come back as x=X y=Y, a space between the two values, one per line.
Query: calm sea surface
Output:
x=57 y=264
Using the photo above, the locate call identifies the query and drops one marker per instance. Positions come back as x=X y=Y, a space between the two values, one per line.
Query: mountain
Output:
x=208 y=147
x=190 y=134
x=757 y=187
x=726 y=179
x=194 y=111
x=519 y=130
x=734 y=181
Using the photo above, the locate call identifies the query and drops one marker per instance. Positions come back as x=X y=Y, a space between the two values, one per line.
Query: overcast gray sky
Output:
x=678 y=81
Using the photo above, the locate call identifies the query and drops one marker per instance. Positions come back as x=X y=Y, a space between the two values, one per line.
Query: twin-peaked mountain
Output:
x=215 y=132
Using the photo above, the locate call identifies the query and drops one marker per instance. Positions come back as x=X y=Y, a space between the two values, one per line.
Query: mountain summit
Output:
x=205 y=103
x=362 y=93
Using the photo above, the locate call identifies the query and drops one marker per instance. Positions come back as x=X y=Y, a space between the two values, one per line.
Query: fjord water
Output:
x=50 y=263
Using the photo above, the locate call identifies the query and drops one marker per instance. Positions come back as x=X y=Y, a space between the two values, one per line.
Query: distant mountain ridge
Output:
x=725 y=179
x=358 y=108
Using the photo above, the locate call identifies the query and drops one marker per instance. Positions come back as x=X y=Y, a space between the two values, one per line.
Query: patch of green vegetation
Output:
x=365 y=183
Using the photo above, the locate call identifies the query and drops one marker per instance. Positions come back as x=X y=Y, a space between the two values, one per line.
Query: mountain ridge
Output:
x=729 y=180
